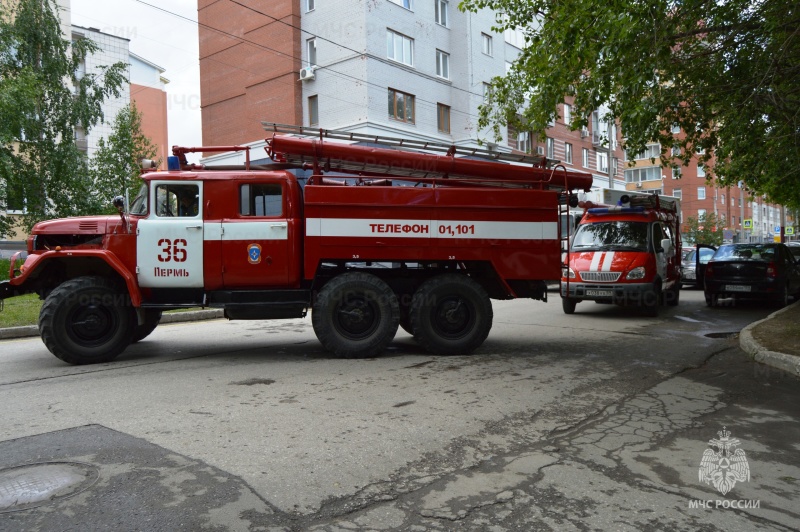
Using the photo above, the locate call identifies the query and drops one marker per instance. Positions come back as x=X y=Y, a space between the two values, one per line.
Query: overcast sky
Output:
x=168 y=40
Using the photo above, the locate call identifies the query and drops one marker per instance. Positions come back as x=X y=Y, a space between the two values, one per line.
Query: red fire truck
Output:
x=627 y=251
x=419 y=239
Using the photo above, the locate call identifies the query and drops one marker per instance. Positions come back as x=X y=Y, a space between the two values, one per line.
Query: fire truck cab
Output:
x=626 y=253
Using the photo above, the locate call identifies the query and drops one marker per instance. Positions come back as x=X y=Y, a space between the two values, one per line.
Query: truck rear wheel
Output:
x=151 y=319
x=87 y=320
x=355 y=315
x=451 y=315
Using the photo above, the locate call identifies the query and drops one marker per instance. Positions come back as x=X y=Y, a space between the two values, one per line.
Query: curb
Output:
x=26 y=331
x=759 y=353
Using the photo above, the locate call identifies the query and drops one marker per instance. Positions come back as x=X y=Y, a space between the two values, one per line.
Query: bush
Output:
x=4 y=265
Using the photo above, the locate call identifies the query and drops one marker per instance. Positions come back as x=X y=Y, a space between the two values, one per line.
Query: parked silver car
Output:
x=690 y=263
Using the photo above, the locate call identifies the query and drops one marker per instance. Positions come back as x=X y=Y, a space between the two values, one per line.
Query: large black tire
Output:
x=673 y=297
x=355 y=315
x=652 y=302
x=151 y=319
x=451 y=314
x=568 y=304
x=87 y=320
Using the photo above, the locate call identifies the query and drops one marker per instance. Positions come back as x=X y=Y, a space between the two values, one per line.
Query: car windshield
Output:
x=746 y=252
x=611 y=235
x=139 y=204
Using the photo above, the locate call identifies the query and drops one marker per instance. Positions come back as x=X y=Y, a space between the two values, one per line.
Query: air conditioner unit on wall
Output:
x=540 y=150
x=584 y=133
x=638 y=185
x=307 y=73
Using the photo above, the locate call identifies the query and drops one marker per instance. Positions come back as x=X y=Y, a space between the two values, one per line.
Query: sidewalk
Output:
x=775 y=340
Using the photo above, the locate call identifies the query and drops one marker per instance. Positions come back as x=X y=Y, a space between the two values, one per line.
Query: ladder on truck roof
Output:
x=409 y=144
x=418 y=161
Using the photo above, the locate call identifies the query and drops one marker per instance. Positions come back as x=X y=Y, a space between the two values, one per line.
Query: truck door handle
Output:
x=278 y=226
x=194 y=227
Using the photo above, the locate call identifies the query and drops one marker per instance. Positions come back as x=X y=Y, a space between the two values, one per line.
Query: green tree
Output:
x=116 y=165
x=43 y=101
x=705 y=229
x=727 y=73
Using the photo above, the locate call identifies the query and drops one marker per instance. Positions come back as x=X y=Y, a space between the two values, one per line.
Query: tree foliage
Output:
x=728 y=73
x=115 y=166
x=705 y=229
x=42 y=102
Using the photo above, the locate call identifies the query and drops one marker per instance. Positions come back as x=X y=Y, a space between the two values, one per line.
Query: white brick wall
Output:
x=347 y=103
x=112 y=49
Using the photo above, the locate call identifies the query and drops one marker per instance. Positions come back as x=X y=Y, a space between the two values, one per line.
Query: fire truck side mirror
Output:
x=573 y=201
x=119 y=203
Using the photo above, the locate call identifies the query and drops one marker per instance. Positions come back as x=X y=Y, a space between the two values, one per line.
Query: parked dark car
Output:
x=690 y=263
x=794 y=247
x=752 y=271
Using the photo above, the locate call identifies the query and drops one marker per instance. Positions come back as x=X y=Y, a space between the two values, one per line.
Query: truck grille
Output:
x=600 y=277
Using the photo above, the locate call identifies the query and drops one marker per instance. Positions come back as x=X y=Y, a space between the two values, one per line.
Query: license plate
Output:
x=600 y=293
x=736 y=288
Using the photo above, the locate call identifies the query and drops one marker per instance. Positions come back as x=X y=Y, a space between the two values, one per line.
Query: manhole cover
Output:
x=722 y=335
x=33 y=485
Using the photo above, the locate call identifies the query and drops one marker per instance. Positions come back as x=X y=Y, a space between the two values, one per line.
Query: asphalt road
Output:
x=598 y=420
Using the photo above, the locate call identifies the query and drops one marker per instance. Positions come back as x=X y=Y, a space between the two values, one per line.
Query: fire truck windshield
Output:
x=139 y=203
x=611 y=236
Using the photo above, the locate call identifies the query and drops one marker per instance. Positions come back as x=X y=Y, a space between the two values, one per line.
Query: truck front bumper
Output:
x=621 y=294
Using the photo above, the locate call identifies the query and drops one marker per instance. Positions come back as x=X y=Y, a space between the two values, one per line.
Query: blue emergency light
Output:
x=173 y=163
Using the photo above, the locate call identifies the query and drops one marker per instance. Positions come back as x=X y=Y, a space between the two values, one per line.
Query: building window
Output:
x=515 y=37
x=652 y=151
x=401 y=106
x=676 y=172
x=602 y=162
x=701 y=170
x=313 y=110
x=586 y=157
x=408 y=4
x=677 y=193
x=701 y=213
x=722 y=199
x=309 y=5
x=701 y=193
x=567 y=114
x=524 y=141
x=487 y=90
x=676 y=128
x=441 y=12
x=399 y=48
x=486 y=44
x=568 y=153
x=311 y=52
x=551 y=148
x=676 y=151
x=443 y=117
x=442 y=64
x=648 y=173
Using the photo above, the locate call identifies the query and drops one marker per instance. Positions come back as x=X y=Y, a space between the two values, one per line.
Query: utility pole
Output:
x=610 y=154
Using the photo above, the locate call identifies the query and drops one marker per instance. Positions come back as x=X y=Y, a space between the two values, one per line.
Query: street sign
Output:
x=748 y=223
x=777 y=229
x=789 y=231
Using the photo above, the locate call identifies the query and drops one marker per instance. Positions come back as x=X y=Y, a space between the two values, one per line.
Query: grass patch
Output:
x=20 y=310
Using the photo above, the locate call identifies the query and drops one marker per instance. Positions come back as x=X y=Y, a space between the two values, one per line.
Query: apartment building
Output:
x=416 y=69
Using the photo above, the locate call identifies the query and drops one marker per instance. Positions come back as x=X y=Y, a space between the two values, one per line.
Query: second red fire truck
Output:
x=417 y=239
x=626 y=250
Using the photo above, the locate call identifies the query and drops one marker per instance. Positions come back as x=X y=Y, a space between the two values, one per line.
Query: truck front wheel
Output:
x=87 y=320
x=355 y=315
x=451 y=315
x=151 y=319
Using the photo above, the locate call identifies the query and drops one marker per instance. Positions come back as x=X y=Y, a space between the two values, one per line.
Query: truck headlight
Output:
x=569 y=273
x=636 y=273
